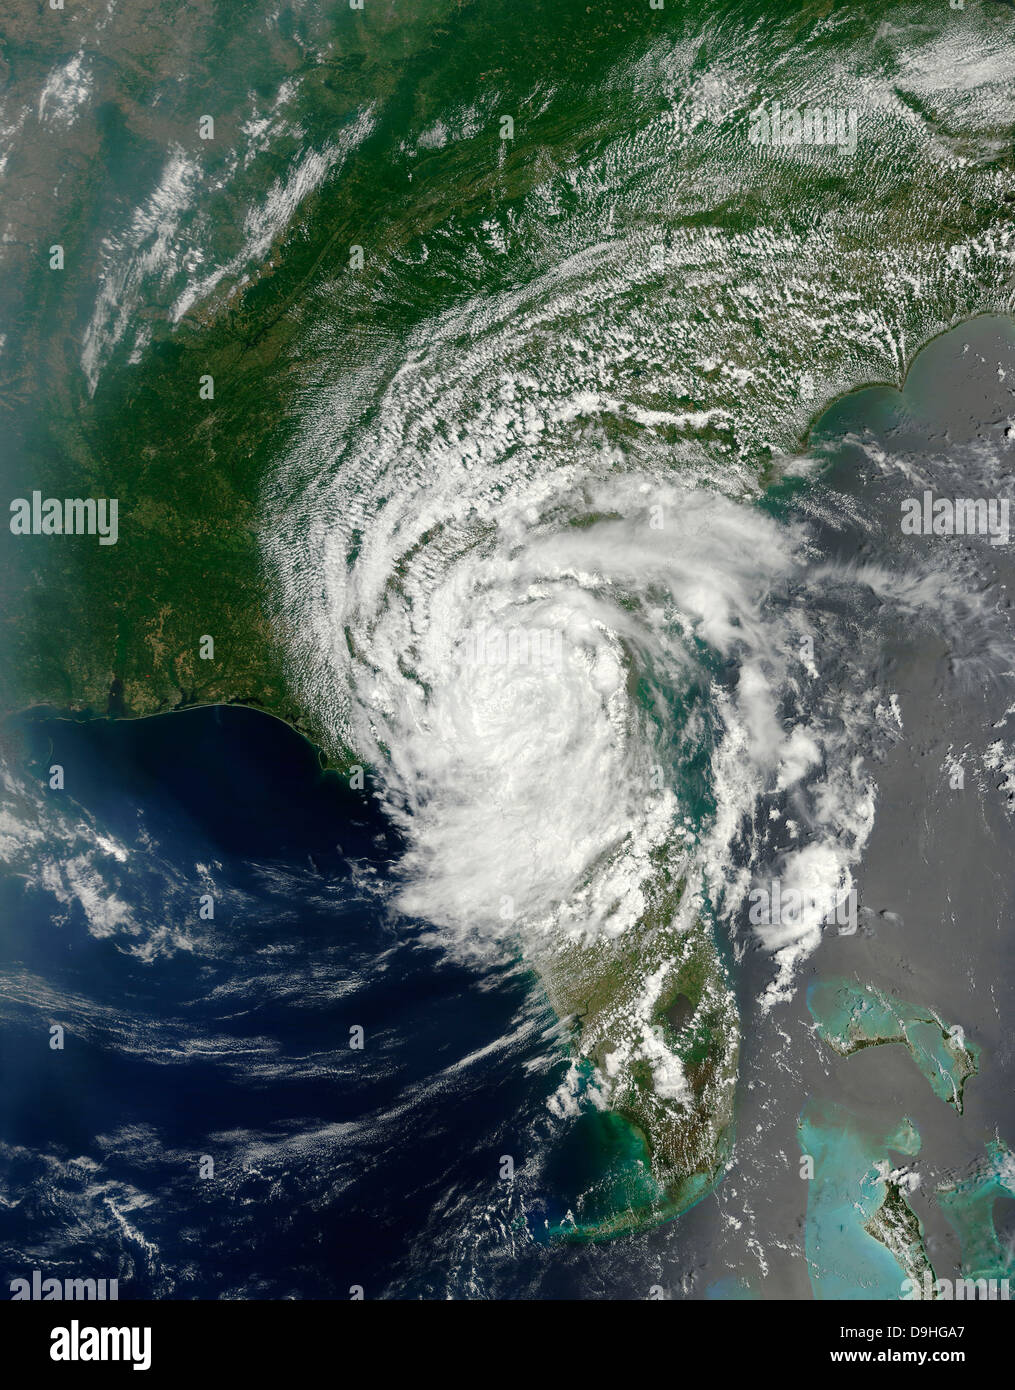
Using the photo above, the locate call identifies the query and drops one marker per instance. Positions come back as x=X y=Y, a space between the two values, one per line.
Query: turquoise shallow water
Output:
x=971 y=1206
x=460 y=1233
x=844 y=1260
x=439 y=341
x=850 y=1017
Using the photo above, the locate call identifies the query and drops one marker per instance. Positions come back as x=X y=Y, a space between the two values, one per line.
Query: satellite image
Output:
x=507 y=680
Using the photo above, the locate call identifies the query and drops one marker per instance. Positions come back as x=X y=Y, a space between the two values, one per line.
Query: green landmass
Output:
x=822 y=270
x=862 y=1238
x=786 y=282
x=850 y=1017
x=676 y=1147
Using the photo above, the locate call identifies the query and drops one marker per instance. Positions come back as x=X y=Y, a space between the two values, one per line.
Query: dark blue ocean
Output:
x=209 y=1130
x=335 y=1167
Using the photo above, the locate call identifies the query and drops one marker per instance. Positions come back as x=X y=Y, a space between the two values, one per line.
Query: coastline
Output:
x=302 y=722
